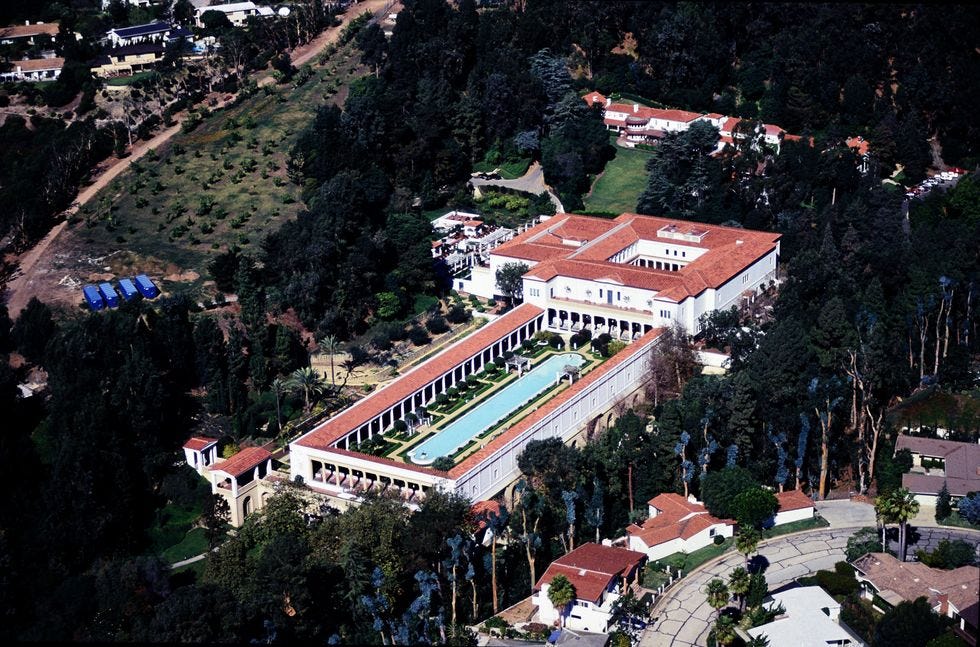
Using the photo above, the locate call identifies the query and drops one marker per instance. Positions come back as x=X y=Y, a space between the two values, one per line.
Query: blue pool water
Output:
x=493 y=410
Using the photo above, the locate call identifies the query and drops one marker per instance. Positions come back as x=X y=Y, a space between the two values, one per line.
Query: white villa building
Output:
x=201 y=452
x=642 y=125
x=237 y=13
x=631 y=274
x=600 y=575
x=810 y=618
x=34 y=69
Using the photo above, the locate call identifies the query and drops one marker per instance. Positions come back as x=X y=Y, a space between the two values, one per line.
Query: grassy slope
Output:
x=621 y=184
x=247 y=204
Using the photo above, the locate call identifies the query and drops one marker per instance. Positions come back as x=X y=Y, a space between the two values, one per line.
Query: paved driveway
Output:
x=683 y=615
x=531 y=182
x=685 y=618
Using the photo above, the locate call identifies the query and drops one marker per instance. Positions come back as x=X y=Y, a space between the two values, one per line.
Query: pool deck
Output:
x=404 y=446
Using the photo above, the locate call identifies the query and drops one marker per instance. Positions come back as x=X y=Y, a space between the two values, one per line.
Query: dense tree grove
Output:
x=876 y=301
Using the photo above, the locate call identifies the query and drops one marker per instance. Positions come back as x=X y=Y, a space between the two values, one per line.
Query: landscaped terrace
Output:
x=482 y=407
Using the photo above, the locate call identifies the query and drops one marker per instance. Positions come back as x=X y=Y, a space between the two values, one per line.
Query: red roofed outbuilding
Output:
x=200 y=452
x=600 y=575
x=793 y=506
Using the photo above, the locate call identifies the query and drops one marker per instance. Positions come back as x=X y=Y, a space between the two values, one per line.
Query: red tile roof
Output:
x=859 y=143
x=672 y=503
x=39 y=64
x=678 y=519
x=242 y=462
x=730 y=250
x=592 y=568
x=362 y=412
x=480 y=510
x=593 y=98
x=793 y=500
x=552 y=404
x=198 y=443
x=25 y=31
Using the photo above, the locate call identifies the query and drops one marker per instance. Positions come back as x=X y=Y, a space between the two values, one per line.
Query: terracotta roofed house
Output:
x=954 y=593
x=676 y=525
x=954 y=463
x=600 y=575
x=200 y=452
x=793 y=506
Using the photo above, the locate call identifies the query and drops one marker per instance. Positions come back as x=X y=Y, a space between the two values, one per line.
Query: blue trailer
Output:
x=146 y=287
x=127 y=288
x=93 y=298
x=109 y=294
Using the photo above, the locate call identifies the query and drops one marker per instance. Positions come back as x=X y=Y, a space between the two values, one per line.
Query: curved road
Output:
x=684 y=617
x=531 y=182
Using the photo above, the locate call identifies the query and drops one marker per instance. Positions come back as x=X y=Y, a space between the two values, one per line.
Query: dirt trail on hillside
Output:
x=19 y=288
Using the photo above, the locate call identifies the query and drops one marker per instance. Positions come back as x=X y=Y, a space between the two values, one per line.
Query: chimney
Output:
x=608 y=101
x=943 y=603
x=738 y=242
x=636 y=107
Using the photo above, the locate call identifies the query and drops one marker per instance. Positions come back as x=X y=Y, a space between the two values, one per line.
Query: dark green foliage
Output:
x=949 y=554
x=437 y=325
x=443 y=463
x=909 y=624
x=720 y=489
x=865 y=540
x=418 y=336
x=944 y=506
x=753 y=507
x=837 y=583
x=34 y=328
x=223 y=269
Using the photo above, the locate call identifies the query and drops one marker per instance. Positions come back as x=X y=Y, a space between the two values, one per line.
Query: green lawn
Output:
x=222 y=184
x=795 y=526
x=620 y=185
x=128 y=80
x=172 y=525
x=194 y=543
x=689 y=561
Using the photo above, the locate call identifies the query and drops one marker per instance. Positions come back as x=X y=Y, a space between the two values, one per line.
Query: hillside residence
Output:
x=676 y=525
x=39 y=33
x=954 y=594
x=128 y=59
x=633 y=273
x=935 y=462
x=600 y=575
x=239 y=480
x=237 y=13
x=811 y=618
x=153 y=32
x=34 y=69
x=641 y=125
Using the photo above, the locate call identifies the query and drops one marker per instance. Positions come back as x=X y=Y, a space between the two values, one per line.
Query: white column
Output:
x=234 y=487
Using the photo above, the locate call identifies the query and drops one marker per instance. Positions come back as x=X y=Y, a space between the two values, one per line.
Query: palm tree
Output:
x=279 y=388
x=717 y=593
x=898 y=507
x=747 y=542
x=725 y=630
x=758 y=641
x=738 y=584
x=329 y=345
x=561 y=592
x=308 y=381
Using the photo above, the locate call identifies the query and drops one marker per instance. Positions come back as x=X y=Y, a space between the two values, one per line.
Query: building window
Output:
x=711 y=533
x=684 y=254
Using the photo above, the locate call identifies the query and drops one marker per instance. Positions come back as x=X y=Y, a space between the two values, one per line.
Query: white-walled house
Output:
x=628 y=275
x=676 y=525
x=34 y=69
x=793 y=506
x=201 y=452
x=600 y=575
x=936 y=462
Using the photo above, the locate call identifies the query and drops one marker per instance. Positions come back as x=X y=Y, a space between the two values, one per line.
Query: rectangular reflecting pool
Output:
x=494 y=409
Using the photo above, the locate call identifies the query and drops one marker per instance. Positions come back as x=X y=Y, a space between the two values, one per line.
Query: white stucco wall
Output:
x=792 y=515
